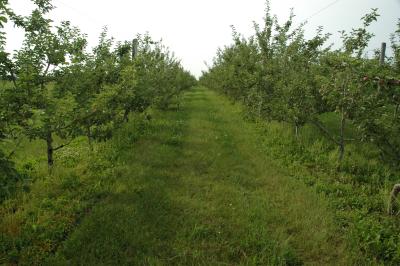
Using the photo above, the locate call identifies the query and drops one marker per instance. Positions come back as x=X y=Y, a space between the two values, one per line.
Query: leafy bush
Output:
x=9 y=177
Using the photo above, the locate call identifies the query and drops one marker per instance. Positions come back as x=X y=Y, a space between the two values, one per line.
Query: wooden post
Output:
x=134 y=48
x=393 y=206
x=383 y=52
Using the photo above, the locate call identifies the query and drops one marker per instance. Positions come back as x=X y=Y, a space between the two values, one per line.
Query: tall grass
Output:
x=358 y=190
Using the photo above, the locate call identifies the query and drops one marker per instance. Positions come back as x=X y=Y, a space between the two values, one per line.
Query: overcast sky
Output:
x=195 y=29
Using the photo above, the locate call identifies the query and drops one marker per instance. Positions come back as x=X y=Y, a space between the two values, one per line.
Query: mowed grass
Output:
x=197 y=189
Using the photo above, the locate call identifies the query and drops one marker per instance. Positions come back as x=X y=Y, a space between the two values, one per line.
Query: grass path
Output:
x=196 y=190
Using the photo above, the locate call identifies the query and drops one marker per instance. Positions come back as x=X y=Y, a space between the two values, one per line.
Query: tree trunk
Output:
x=126 y=115
x=343 y=121
x=296 y=130
x=89 y=136
x=50 y=149
x=341 y=143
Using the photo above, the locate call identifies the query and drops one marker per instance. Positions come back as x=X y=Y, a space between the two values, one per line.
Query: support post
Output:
x=382 y=56
x=134 y=48
x=393 y=206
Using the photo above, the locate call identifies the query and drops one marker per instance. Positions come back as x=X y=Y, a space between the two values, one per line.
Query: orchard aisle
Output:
x=198 y=190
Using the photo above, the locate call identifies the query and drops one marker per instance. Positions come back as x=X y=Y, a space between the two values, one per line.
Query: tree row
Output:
x=55 y=87
x=280 y=75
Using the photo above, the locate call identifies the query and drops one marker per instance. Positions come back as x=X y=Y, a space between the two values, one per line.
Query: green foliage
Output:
x=9 y=177
x=34 y=224
x=53 y=89
x=395 y=41
x=282 y=76
x=46 y=110
x=349 y=98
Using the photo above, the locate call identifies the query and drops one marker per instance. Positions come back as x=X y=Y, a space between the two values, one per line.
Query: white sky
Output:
x=195 y=29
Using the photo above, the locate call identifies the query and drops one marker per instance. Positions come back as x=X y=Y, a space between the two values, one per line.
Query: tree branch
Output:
x=47 y=69
x=77 y=120
x=324 y=130
x=14 y=80
x=45 y=74
x=62 y=146
x=15 y=149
